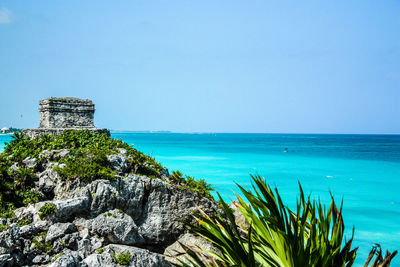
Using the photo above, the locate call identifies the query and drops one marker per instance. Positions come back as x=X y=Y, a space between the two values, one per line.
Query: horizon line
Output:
x=199 y=132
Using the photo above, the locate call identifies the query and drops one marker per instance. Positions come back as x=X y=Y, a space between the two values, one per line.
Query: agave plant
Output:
x=276 y=236
x=379 y=261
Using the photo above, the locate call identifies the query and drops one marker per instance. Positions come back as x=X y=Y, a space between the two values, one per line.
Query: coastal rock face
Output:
x=99 y=223
x=137 y=257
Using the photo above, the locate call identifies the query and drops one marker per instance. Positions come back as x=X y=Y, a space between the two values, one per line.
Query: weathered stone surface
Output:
x=54 y=155
x=196 y=243
x=48 y=178
x=39 y=259
x=14 y=167
x=67 y=209
x=6 y=260
x=156 y=207
x=130 y=211
x=67 y=260
x=66 y=113
x=139 y=257
x=119 y=162
x=11 y=238
x=30 y=163
x=239 y=218
x=59 y=229
x=117 y=227
x=60 y=114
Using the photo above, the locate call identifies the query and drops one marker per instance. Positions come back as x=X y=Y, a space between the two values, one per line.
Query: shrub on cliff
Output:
x=87 y=160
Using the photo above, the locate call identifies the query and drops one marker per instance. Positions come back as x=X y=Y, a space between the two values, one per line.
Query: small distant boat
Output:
x=286 y=150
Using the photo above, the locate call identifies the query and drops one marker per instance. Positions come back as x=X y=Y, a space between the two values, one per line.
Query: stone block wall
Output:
x=61 y=114
x=66 y=113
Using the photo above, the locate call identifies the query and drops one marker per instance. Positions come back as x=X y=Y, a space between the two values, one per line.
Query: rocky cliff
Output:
x=128 y=212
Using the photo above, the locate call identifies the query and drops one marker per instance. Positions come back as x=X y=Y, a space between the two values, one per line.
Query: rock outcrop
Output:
x=131 y=220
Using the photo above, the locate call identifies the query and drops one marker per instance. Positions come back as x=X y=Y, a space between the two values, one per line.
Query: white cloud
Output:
x=6 y=16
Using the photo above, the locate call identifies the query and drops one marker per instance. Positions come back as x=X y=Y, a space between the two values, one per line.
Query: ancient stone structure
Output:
x=66 y=113
x=60 y=114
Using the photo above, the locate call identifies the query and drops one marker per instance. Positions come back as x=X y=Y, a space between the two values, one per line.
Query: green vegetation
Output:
x=277 y=236
x=23 y=222
x=86 y=161
x=57 y=256
x=46 y=210
x=122 y=258
x=39 y=242
x=3 y=227
x=100 y=250
x=87 y=149
x=61 y=99
x=86 y=166
x=191 y=184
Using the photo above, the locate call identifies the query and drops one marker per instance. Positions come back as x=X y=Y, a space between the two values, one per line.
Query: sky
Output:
x=206 y=66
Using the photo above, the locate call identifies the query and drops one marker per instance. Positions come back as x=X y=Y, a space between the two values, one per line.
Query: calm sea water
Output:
x=363 y=170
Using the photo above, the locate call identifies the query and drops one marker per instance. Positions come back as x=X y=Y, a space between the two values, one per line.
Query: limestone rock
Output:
x=196 y=243
x=156 y=207
x=239 y=218
x=129 y=212
x=116 y=227
x=59 y=229
x=15 y=167
x=6 y=260
x=66 y=209
x=30 y=163
x=48 y=179
x=54 y=155
x=138 y=257
x=119 y=162
x=66 y=260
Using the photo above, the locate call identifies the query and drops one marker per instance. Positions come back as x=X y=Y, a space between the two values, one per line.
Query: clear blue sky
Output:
x=208 y=66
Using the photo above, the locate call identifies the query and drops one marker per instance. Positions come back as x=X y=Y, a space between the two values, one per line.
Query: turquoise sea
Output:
x=363 y=170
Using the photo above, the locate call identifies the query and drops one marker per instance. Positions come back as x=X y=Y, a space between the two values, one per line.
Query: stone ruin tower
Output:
x=61 y=114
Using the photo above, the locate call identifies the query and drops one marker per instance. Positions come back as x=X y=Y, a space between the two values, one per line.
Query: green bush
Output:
x=86 y=165
x=89 y=154
x=23 y=178
x=46 y=210
x=7 y=210
x=122 y=258
x=57 y=256
x=31 y=197
x=3 y=227
x=24 y=222
x=86 y=161
x=39 y=242
x=189 y=183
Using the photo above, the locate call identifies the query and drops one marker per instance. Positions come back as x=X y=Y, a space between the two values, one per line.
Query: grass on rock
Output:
x=87 y=161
